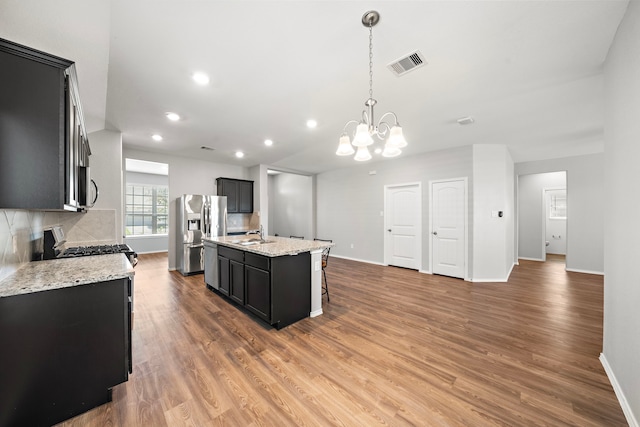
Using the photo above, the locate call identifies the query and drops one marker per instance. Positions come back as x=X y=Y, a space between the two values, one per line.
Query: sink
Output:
x=255 y=242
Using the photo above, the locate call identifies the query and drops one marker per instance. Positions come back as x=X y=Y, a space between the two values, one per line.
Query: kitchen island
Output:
x=65 y=328
x=276 y=278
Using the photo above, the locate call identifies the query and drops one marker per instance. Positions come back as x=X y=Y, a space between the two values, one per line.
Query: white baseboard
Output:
x=425 y=271
x=357 y=259
x=626 y=409
x=577 y=270
x=531 y=259
x=502 y=280
x=316 y=313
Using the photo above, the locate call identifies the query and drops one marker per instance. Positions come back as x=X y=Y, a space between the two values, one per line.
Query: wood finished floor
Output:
x=394 y=347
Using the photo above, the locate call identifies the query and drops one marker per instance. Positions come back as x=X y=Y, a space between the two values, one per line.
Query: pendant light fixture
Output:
x=366 y=128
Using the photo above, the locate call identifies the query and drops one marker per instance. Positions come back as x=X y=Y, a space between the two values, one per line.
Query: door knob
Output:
x=389 y=230
x=435 y=233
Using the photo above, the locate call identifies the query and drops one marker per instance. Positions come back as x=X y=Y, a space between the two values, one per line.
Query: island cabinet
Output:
x=275 y=289
x=63 y=350
x=231 y=270
x=239 y=193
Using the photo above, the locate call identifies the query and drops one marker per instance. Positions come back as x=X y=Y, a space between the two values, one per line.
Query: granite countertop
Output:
x=38 y=276
x=278 y=246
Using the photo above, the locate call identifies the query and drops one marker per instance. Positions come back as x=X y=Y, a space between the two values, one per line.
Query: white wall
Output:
x=187 y=176
x=492 y=252
x=530 y=209
x=621 y=347
x=585 y=192
x=106 y=171
x=350 y=200
x=290 y=204
x=75 y=30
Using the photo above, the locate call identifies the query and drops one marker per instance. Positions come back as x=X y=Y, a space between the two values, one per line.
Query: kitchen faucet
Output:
x=259 y=232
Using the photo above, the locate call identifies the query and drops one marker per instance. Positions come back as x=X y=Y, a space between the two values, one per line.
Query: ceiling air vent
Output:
x=407 y=63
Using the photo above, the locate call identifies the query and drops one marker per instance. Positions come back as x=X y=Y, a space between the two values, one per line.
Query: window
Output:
x=558 y=206
x=146 y=209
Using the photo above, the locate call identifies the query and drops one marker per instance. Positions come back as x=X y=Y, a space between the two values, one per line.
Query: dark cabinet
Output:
x=239 y=194
x=258 y=285
x=63 y=351
x=236 y=280
x=224 y=270
x=44 y=150
x=276 y=289
x=231 y=273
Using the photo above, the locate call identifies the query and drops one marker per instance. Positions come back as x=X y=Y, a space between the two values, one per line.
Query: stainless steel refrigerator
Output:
x=198 y=216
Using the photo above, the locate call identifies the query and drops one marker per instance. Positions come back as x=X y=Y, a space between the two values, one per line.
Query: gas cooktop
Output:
x=98 y=250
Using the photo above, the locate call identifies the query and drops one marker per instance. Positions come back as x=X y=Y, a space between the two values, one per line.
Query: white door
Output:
x=448 y=228
x=403 y=213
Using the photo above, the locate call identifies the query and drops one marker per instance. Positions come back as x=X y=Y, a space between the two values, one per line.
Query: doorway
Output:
x=290 y=204
x=403 y=225
x=555 y=214
x=542 y=216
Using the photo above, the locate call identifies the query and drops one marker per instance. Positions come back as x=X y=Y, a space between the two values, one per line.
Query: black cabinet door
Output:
x=239 y=194
x=245 y=196
x=237 y=281
x=258 y=291
x=32 y=101
x=229 y=188
x=63 y=350
x=224 y=273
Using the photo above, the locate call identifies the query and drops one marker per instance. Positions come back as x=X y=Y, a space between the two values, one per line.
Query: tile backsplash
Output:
x=21 y=233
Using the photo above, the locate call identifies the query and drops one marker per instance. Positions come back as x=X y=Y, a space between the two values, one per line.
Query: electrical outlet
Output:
x=352 y=246
x=318 y=266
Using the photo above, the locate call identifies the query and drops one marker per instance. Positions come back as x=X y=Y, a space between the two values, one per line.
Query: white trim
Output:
x=425 y=272
x=531 y=259
x=359 y=260
x=626 y=409
x=316 y=313
x=501 y=280
x=385 y=238
x=466 y=223
x=577 y=270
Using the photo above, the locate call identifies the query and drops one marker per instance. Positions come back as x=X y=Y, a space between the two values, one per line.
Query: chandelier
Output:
x=366 y=128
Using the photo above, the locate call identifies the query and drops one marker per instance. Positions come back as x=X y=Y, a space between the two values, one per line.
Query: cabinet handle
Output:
x=435 y=233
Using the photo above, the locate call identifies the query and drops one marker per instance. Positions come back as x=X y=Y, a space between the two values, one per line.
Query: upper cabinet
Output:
x=239 y=194
x=44 y=149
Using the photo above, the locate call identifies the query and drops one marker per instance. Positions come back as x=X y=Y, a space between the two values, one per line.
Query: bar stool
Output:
x=325 y=261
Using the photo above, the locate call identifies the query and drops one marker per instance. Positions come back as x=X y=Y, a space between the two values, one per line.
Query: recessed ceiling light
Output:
x=239 y=154
x=156 y=137
x=378 y=150
x=311 y=124
x=200 y=78
x=173 y=117
x=268 y=142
